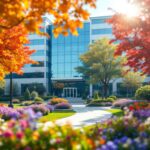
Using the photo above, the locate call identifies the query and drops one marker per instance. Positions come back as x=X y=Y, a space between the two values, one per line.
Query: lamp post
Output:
x=11 y=91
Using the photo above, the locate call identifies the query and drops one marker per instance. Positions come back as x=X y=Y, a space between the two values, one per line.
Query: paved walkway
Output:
x=85 y=116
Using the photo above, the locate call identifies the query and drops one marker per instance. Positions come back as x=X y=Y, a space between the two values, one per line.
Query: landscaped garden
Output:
x=129 y=128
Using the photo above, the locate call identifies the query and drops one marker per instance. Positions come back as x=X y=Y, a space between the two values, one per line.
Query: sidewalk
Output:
x=85 y=116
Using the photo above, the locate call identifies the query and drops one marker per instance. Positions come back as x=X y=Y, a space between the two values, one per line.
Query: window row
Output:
x=36 y=42
x=102 y=31
x=28 y=75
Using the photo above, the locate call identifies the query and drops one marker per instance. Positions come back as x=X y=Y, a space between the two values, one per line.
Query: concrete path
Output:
x=85 y=116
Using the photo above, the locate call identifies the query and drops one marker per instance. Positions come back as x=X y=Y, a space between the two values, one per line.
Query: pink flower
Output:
x=19 y=135
x=8 y=133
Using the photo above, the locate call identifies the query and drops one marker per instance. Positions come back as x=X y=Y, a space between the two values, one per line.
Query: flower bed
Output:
x=55 y=101
x=7 y=113
x=117 y=133
x=63 y=106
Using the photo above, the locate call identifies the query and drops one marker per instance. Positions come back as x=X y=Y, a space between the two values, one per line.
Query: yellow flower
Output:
x=35 y=135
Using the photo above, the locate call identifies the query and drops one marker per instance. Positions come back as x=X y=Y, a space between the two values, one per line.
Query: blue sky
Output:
x=103 y=5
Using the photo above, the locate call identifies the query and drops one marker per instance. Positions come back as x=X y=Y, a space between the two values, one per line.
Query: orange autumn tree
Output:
x=67 y=14
x=13 y=54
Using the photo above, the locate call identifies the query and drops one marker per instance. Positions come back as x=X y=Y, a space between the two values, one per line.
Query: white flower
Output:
x=52 y=141
x=78 y=147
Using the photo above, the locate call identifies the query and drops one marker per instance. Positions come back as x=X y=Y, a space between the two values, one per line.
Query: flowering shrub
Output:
x=123 y=102
x=63 y=106
x=139 y=105
x=55 y=101
x=39 y=108
x=7 y=113
x=27 y=103
x=16 y=101
x=115 y=134
x=142 y=114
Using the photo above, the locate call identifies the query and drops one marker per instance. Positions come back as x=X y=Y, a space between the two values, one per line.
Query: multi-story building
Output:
x=34 y=73
x=58 y=58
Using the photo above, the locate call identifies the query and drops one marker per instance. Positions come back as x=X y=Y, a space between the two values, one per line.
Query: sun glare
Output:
x=127 y=8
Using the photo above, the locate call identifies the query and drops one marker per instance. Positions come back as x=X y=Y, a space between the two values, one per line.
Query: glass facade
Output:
x=65 y=53
x=102 y=31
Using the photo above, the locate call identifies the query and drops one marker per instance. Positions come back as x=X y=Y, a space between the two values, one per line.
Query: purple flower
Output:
x=111 y=145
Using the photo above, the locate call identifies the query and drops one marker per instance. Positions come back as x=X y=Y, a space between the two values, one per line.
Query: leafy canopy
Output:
x=133 y=80
x=67 y=14
x=13 y=54
x=99 y=62
x=133 y=34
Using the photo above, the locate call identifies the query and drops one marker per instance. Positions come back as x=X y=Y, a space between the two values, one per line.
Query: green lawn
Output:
x=116 y=112
x=55 y=116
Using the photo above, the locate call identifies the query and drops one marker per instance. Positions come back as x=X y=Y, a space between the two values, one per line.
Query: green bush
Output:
x=46 y=97
x=26 y=103
x=38 y=100
x=110 y=99
x=143 y=93
x=96 y=95
x=34 y=94
x=113 y=97
x=27 y=95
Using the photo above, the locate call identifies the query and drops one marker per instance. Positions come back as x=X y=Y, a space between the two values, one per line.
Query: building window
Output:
x=28 y=75
x=102 y=31
x=36 y=42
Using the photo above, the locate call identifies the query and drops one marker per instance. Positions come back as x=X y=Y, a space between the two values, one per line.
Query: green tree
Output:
x=27 y=95
x=99 y=64
x=132 y=81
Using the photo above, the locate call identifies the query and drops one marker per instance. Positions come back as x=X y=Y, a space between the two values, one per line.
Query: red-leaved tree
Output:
x=134 y=36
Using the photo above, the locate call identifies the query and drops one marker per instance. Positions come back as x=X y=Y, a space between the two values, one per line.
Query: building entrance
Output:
x=70 y=92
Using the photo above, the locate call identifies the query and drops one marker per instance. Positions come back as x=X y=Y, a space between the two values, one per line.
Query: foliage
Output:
x=40 y=108
x=63 y=106
x=133 y=35
x=143 y=93
x=34 y=94
x=13 y=56
x=26 y=103
x=132 y=81
x=110 y=99
x=8 y=113
x=96 y=95
x=46 y=97
x=66 y=14
x=27 y=95
x=139 y=106
x=99 y=63
x=38 y=100
x=16 y=101
x=40 y=88
x=127 y=132
x=113 y=97
x=55 y=101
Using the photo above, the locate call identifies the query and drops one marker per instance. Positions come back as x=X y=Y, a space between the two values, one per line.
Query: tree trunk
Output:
x=105 y=90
